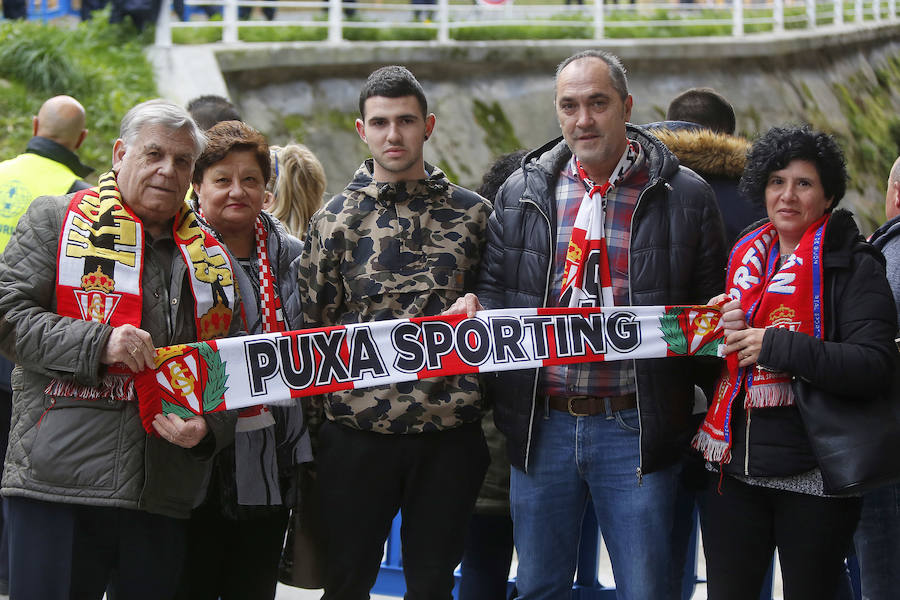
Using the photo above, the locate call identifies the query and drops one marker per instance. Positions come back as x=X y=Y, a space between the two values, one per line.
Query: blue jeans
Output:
x=877 y=543
x=572 y=457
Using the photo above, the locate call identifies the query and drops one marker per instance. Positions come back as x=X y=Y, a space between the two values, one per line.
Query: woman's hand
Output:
x=718 y=300
x=186 y=433
x=747 y=343
x=733 y=317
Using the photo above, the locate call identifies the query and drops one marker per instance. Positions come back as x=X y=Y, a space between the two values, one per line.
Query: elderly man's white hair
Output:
x=164 y=113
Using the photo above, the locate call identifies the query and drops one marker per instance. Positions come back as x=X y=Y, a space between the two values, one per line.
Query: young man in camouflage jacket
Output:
x=401 y=241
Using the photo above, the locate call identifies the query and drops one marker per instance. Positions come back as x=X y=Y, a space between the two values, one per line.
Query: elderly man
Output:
x=90 y=283
x=604 y=216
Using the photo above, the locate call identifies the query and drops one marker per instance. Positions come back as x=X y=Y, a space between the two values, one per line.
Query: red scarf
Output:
x=788 y=295
x=589 y=238
x=270 y=303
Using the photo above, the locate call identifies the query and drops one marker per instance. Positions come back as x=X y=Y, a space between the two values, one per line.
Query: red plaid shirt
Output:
x=599 y=378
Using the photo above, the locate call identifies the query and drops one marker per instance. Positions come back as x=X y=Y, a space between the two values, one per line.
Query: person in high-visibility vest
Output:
x=49 y=165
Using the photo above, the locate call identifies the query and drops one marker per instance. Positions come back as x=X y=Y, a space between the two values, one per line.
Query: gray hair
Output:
x=164 y=113
x=616 y=69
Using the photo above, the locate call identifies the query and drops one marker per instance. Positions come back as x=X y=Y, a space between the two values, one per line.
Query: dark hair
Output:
x=228 y=136
x=616 y=69
x=392 y=82
x=781 y=145
x=211 y=109
x=704 y=106
x=499 y=172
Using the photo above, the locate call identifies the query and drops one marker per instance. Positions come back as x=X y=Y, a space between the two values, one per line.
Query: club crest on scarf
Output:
x=192 y=379
x=96 y=298
x=100 y=259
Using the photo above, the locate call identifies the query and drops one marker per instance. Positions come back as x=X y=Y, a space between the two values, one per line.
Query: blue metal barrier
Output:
x=50 y=9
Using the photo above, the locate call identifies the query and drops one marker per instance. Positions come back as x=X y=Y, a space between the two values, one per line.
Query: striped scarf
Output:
x=773 y=293
x=586 y=275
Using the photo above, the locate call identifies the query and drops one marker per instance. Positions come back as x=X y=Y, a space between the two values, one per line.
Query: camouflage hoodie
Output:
x=387 y=251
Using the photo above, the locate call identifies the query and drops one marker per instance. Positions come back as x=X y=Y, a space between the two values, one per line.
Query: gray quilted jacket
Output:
x=86 y=451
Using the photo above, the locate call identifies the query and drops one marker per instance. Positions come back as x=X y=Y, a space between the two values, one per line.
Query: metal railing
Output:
x=333 y=21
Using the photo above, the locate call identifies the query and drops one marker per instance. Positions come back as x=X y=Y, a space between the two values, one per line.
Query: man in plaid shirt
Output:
x=603 y=216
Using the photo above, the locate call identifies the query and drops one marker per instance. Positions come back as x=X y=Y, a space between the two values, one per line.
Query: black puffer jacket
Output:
x=719 y=159
x=677 y=256
x=859 y=313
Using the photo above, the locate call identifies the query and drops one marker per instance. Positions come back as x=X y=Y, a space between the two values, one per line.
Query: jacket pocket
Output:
x=77 y=443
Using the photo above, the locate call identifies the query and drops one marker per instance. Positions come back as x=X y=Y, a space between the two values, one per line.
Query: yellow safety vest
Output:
x=24 y=178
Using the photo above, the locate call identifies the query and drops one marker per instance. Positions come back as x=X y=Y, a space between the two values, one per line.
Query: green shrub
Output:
x=283 y=34
x=101 y=65
x=196 y=35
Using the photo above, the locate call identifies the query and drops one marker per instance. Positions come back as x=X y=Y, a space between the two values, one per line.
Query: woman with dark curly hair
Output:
x=807 y=300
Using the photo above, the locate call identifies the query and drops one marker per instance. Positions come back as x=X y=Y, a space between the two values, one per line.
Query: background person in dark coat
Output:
x=700 y=130
x=877 y=536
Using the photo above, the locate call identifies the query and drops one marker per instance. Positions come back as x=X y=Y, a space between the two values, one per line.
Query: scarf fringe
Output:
x=769 y=395
x=118 y=387
x=712 y=449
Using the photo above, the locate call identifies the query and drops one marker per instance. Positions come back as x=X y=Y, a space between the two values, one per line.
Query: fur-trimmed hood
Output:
x=706 y=152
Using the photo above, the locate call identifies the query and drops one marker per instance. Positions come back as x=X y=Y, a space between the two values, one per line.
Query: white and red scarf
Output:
x=274 y=368
x=100 y=263
x=587 y=246
x=787 y=295
x=272 y=317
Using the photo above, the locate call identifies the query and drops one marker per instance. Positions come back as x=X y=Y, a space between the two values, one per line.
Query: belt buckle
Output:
x=572 y=411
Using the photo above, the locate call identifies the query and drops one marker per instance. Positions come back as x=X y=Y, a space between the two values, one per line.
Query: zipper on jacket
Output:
x=747 y=446
x=537 y=372
x=637 y=392
x=169 y=308
x=164 y=289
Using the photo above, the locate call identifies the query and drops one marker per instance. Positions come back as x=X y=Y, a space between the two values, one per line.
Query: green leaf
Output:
x=169 y=408
x=672 y=333
x=216 y=378
x=708 y=349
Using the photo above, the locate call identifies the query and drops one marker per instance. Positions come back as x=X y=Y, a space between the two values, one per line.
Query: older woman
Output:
x=807 y=301
x=236 y=535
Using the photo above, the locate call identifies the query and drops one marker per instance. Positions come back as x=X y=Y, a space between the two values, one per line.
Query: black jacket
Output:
x=677 y=256
x=859 y=313
x=719 y=159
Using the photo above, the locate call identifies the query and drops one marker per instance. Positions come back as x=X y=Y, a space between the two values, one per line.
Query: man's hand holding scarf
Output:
x=130 y=346
x=468 y=305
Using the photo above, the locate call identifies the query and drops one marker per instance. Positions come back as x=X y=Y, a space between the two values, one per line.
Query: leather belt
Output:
x=586 y=406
